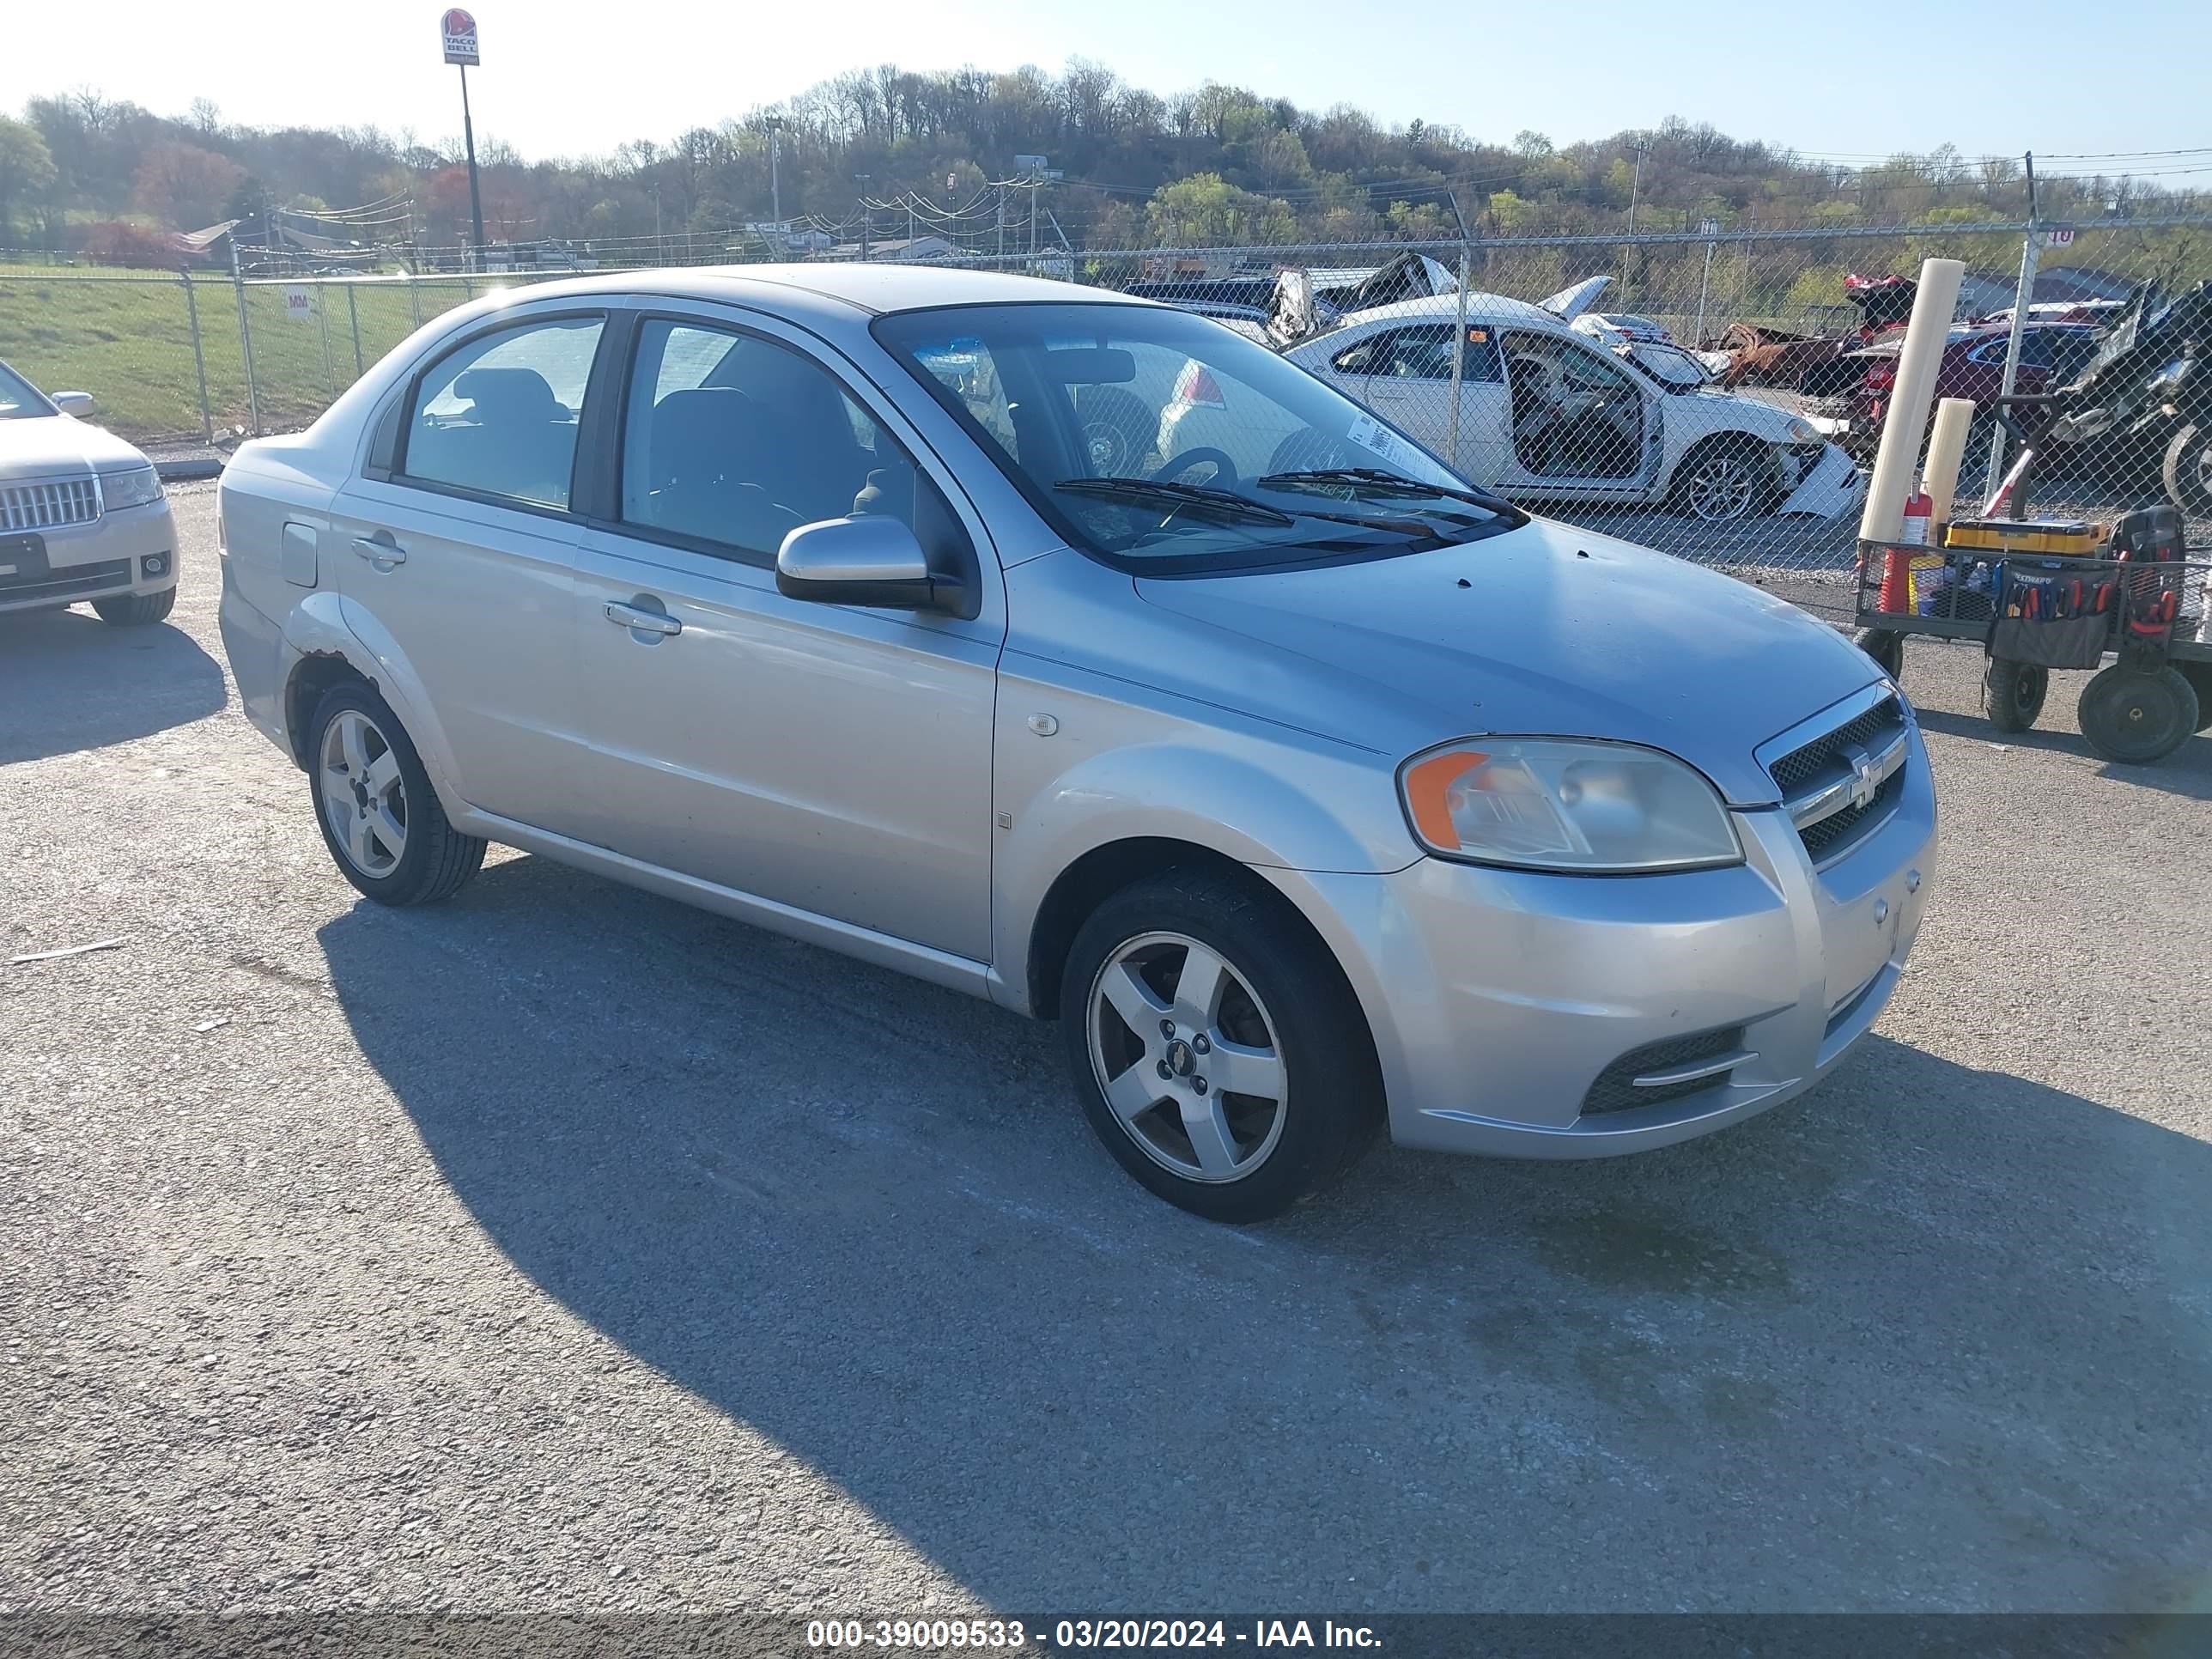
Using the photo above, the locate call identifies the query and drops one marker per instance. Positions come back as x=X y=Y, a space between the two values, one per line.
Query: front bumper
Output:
x=1832 y=487
x=96 y=561
x=1497 y=998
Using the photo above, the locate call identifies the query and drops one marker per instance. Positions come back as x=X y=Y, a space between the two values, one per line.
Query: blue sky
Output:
x=562 y=76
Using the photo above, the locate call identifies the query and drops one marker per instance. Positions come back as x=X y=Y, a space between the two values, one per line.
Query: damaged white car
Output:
x=1545 y=413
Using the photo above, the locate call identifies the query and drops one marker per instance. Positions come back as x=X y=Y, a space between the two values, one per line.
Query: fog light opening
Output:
x=153 y=564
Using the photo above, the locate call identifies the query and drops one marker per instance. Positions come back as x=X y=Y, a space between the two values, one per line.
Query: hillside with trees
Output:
x=1221 y=165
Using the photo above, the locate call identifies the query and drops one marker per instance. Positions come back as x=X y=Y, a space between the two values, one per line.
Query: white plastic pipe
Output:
x=1946 y=444
x=1907 y=420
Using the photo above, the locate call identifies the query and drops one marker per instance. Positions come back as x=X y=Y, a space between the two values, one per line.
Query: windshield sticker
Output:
x=1371 y=434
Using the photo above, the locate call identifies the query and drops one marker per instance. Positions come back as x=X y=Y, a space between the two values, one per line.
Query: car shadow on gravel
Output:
x=69 y=681
x=1931 y=1337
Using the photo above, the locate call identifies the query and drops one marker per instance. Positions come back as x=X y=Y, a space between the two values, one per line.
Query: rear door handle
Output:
x=637 y=617
x=381 y=554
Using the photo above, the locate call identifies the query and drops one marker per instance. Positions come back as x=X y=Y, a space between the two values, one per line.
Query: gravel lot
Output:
x=564 y=1247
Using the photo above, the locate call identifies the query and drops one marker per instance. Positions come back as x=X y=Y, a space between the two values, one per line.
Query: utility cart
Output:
x=2051 y=592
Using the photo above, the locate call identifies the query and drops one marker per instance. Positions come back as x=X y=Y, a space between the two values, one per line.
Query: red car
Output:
x=2051 y=355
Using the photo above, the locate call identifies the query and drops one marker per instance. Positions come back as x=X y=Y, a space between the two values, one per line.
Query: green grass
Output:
x=126 y=339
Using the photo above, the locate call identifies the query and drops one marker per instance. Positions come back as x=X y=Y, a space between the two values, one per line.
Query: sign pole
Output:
x=457 y=32
x=476 y=197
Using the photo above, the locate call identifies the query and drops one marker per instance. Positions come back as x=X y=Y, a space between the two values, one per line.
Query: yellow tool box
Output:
x=2060 y=536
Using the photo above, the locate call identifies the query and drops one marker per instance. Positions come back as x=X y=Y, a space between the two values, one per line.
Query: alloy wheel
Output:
x=364 y=797
x=1722 y=486
x=1187 y=1058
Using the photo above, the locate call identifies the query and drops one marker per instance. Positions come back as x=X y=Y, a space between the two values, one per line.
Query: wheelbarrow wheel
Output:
x=2013 y=694
x=1886 y=646
x=2136 y=717
x=2199 y=675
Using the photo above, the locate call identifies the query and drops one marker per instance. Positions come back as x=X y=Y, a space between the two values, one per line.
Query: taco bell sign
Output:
x=459 y=30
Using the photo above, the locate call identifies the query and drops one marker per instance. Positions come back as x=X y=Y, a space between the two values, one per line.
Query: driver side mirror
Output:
x=71 y=403
x=872 y=560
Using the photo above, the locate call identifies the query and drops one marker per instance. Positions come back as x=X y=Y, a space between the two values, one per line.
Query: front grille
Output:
x=1870 y=731
x=1832 y=831
x=1830 y=759
x=1615 y=1089
x=47 y=506
x=62 y=584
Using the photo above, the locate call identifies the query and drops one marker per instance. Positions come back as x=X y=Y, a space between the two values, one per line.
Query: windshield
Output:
x=1164 y=443
x=19 y=398
x=1675 y=369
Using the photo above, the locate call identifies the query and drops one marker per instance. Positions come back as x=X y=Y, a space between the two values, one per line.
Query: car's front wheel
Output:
x=1724 y=480
x=1216 y=1049
x=135 y=610
x=379 y=817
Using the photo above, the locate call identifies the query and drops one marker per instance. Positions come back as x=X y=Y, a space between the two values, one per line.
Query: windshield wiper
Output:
x=1197 y=497
x=1380 y=483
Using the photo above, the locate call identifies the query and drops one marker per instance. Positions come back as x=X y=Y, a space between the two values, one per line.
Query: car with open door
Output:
x=1544 y=412
x=1315 y=792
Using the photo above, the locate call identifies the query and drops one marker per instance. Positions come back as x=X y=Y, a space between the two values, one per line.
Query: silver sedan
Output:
x=1313 y=790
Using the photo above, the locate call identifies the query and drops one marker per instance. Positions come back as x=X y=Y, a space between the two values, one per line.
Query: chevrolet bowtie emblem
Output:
x=1866 y=782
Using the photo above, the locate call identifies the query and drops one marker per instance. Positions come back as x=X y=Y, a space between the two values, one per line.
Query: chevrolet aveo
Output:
x=1312 y=790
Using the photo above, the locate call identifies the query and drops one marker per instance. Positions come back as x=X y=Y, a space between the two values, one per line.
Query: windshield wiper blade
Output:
x=1381 y=483
x=1197 y=497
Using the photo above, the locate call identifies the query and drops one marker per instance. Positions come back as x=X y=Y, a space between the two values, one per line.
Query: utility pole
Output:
x=774 y=124
x=1641 y=145
x=1002 y=193
x=861 y=179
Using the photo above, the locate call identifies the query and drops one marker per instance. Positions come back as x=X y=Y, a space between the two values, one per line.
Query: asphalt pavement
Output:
x=564 y=1247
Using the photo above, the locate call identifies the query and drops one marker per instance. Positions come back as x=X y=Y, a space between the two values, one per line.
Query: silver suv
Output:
x=1310 y=788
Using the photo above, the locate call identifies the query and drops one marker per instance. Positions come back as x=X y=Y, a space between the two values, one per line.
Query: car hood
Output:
x=1544 y=630
x=60 y=446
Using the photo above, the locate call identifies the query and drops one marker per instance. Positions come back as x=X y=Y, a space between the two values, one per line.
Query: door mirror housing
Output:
x=872 y=560
x=71 y=403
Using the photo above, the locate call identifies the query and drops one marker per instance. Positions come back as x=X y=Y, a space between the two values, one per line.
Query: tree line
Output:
x=1220 y=165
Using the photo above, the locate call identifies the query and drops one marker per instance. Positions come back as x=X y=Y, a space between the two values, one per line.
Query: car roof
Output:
x=876 y=289
x=1480 y=308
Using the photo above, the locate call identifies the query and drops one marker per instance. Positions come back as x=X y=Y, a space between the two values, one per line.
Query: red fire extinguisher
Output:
x=1917 y=508
x=1897 y=563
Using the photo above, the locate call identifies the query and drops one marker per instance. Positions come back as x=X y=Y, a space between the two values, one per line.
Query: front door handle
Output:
x=383 y=553
x=637 y=617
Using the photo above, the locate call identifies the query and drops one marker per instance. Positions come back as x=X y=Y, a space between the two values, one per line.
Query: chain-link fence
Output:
x=1717 y=394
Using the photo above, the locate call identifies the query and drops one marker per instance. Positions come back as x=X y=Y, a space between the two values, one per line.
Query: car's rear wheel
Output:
x=1724 y=480
x=1217 y=1051
x=135 y=610
x=379 y=817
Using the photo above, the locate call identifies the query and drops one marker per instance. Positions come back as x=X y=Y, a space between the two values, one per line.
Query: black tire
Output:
x=2199 y=675
x=437 y=860
x=1332 y=1103
x=1761 y=492
x=2013 y=694
x=2187 y=472
x=2135 y=717
x=135 y=610
x=1886 y=646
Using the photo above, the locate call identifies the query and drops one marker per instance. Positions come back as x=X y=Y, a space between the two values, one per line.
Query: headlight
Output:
x=1802 y=431
x=135 y=488
x=1567 y=804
